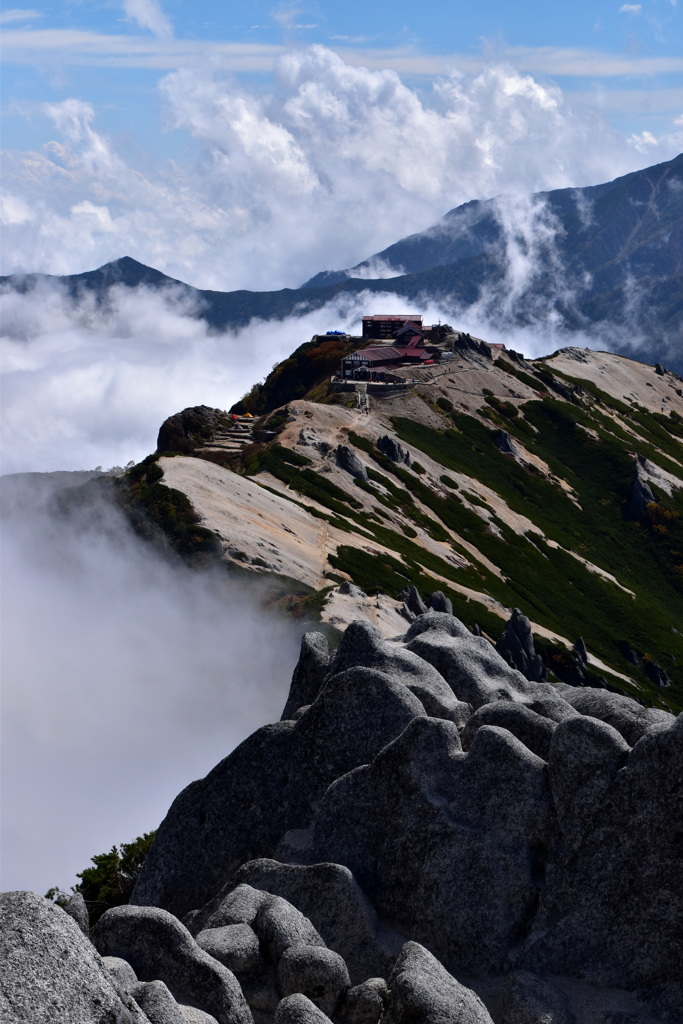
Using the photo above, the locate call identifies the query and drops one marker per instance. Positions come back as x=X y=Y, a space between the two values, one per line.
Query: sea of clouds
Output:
x=86 y=386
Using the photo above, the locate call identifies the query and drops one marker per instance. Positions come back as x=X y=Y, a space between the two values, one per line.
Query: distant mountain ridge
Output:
x=469 y=230
x=606 y=260
x=610 y=253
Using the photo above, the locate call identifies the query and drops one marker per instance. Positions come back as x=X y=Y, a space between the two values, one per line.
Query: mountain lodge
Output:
x=409 y=337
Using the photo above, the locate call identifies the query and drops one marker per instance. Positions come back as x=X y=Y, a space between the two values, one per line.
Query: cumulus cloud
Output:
x=335 y=162
x=631 y=8
x=125 y=677
x=149 y=15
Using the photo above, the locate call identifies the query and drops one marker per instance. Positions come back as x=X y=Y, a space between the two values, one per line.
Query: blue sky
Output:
x=173 y=131
x=626 y=58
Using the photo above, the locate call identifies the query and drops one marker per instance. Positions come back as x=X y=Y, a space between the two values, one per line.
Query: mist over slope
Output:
x=125 y=675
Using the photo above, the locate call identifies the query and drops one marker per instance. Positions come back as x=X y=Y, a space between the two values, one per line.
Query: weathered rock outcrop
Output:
x=329 y=895
x=190 y=429
x=347 y=460
x=77 y=909
x=516 y=645
x=50 y=972
x=159 y=948
x=424 y=814
x=309 y=673
x=641 y=492
x=428 y=813
x=429 y=786
x=393 y=450
x=420 y=990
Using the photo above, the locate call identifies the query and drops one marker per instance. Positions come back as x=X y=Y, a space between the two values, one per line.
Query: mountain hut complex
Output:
x=395 y=341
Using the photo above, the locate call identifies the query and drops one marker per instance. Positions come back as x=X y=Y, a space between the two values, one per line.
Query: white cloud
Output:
x=335 y=163
x=286 y=18
x=375 y=269
x=644 y=142
x=85 y=385
x=148 y=14
x=662 y=103
x=13 y=210
x=75 y=47
x=124 y=678
x=631 y=8
x=19 y=14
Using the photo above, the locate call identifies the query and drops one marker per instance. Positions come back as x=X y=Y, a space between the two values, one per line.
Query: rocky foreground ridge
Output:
x=427 y=836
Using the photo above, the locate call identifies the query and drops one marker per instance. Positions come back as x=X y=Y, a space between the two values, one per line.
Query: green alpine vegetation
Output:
x=535 y=484
x=110 y=879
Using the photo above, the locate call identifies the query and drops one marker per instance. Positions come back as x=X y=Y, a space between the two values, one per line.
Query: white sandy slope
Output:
x=622 y=378
x=271 y=533
x=254 y=526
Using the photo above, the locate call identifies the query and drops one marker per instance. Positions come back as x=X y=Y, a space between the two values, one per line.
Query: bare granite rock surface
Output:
x=421 y=991
x=426 y=820
x=156 y=1000
x=330 y=897
x=365 y=1003
x=50 y=971
x=316 y=972
x=298 y=1009
x=160 y=948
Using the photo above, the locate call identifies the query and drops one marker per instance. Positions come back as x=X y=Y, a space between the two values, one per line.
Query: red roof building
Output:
x=409 y=336
x=375 y=358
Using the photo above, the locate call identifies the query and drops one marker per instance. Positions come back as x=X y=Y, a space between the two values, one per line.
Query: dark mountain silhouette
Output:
x=628 y=218
x=606 y=260
x=608 y=254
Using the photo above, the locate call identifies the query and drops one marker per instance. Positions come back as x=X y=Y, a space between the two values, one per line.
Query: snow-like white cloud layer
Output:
x=331 y=165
